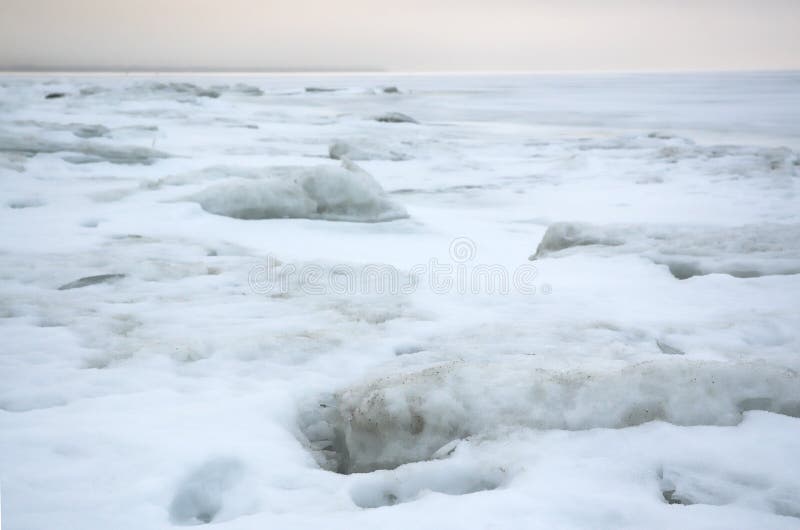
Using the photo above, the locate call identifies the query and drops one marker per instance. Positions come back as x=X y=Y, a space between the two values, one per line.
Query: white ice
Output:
x=206 y=319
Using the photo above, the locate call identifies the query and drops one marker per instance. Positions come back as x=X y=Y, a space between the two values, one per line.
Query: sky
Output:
x=400 y=35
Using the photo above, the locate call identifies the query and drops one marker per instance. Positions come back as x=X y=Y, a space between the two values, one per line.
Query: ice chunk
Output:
x=560 y=236
x=363 y=150
x=26 y=202
x=687 y=486
x=667 y=349
x=87 y=152
x=742 y=251
x=91 y=280
x=317 y=89
x=248 y=90
x=386 y=488
x=395 y=117
x=184 y=88
x=404 y=418
x=90 y=131
x=337 y=194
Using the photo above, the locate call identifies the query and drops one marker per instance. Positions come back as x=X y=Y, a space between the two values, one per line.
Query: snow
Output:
x=207 y=320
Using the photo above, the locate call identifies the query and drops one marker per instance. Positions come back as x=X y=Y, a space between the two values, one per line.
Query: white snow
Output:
x=189 y=337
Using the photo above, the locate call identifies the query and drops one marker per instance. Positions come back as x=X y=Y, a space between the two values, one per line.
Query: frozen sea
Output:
x=396 y=301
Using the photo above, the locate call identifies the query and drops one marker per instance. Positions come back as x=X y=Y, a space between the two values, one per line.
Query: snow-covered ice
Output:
x=303 y=301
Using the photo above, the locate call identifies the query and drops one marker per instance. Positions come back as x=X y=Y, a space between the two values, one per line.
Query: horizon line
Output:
x=143 y=71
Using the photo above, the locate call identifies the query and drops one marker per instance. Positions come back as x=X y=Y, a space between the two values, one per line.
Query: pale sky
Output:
x=402 y=35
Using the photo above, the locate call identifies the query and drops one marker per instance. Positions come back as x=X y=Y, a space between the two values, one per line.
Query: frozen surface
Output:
x=211 y=315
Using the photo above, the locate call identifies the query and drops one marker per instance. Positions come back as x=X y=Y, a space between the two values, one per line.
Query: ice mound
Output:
x=91 y=280
x=333 y=193
x=743 y=251
x=395 y=117
x=25 y=202
x=81 y=130
x=363 y=150
x=89 y=131
x=84 y=152
x=688 y=485
x=409 y=417
x=184 y=88
x=319 y=89
x=453 y=477
x=247 y=90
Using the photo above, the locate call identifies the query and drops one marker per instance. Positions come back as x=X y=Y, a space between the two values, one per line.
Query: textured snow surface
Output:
x=211 y=315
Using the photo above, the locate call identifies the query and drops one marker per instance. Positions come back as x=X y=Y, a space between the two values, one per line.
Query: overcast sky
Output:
x=404 y=35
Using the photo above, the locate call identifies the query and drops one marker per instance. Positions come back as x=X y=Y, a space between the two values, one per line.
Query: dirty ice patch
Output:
x=408 y=417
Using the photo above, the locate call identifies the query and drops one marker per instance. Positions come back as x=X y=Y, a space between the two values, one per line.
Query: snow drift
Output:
x=413 y=416
x=742 y=251
x=336 y=194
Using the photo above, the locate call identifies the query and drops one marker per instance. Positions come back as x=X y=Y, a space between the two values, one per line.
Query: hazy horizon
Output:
x=416 y=36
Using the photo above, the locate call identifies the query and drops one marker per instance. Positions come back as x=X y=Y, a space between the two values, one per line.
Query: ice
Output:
x=85 y=151
x=336 y=194
x=295 y=372
x=405 y=418
x=408 y=484
x=317 y=89
x=395 y=117
x=741 y=251
x=183 y=88
x=688 y=486
x=364 y=150
x=91 y=131
x=91 y=280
